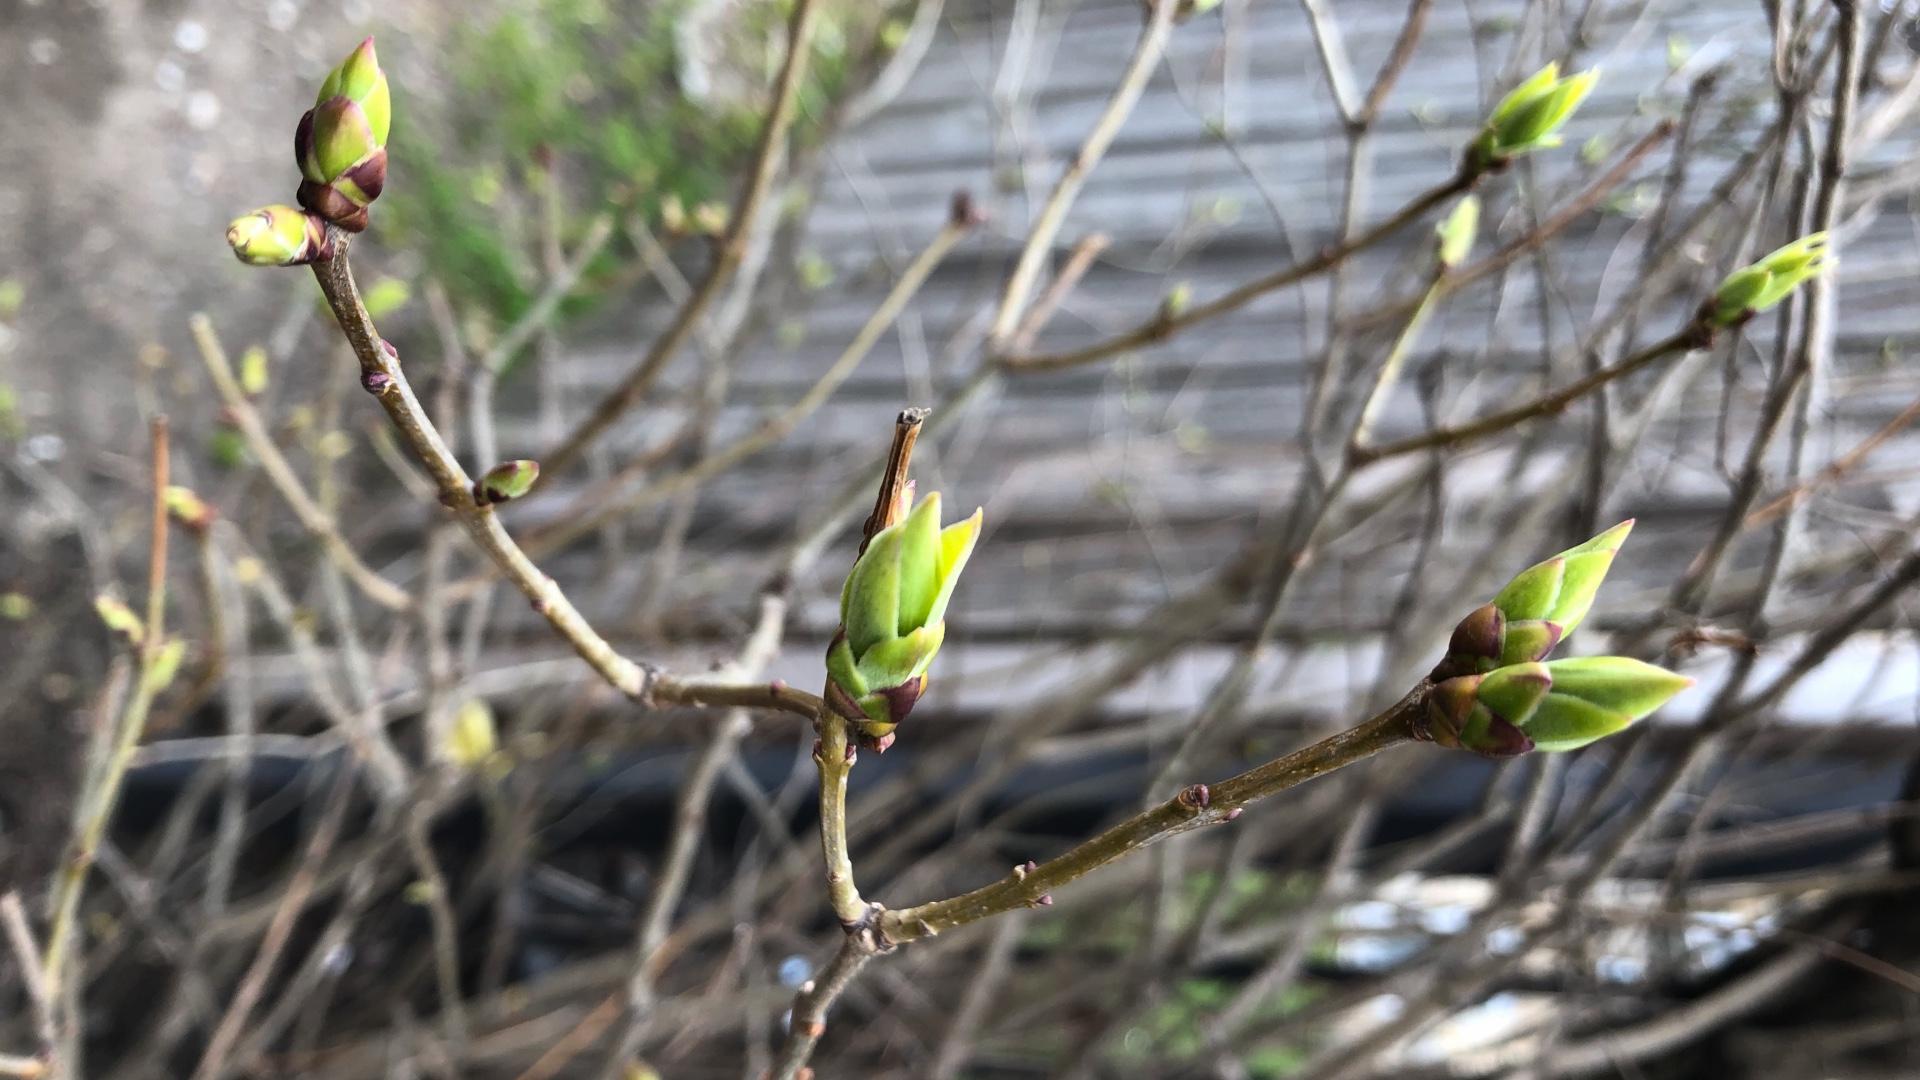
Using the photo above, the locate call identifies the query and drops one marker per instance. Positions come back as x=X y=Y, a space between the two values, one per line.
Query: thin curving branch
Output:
x=102 y=794
x=876 y=930
x=382 y=376
x=1695 y=335
x=1194 y=807
x=1039 y=244
x=1165 y=324
x=601 y=507
x=280 y=473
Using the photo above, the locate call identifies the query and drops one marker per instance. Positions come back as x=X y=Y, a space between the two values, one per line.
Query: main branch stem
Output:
x=1192 y=808
x=382 y=376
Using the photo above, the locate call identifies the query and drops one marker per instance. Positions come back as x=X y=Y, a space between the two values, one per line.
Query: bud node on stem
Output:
x=964 y=212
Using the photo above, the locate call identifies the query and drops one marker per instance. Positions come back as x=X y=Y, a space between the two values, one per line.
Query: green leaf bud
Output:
x=1532 y=592
x=1456 y=717
x=1562 y=705
x=360 y=79
x=1457 y=232
x=1530 y=117
x=1534 y=612
x=120 y=618
x=505 y=481
x=1759 y=286
x=278 y=236
x=1530 y=639
x=892 y=616
x=1514 y=691
x=1616 y=683
x=1561 y=589
x=340 y=143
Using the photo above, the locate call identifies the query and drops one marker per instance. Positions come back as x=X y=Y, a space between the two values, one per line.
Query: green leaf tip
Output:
x=1760 y=285
x=1535 y=611
x=1555 y=706
x=1530 y=116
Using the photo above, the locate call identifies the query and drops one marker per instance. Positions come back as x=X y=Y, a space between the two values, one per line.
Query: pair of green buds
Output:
x=1530 y=117
x=893 y=618
x=341 y=147
x=1497 y=694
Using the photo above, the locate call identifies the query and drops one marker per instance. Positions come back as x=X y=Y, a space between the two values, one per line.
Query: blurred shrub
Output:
x=633 y=107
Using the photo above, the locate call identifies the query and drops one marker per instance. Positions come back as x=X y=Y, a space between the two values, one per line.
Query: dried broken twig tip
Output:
x=964 y=212
x=895 y=495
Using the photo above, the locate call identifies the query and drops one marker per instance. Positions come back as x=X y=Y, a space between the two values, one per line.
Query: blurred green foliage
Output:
x=588 y=92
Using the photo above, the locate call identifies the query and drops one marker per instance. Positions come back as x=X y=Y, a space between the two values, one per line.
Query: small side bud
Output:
x=189 y=509
x=253 y=371
x=166 y=665
x=473 y=738
x=1457 y=232
x=710 y=218
x=1177 y=301
x=507 y=480
x=278 y=236
x=673 y=215
x=120 y=618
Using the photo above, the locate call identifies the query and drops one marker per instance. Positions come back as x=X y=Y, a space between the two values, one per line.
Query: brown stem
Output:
x=1836 y=469
x=1147 y=52
x=1695 y=335
x=834 y=756
x=809 y=1020
x=594 y=511
x=893 y=480
x=1194 y=807
x=1166 y=324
